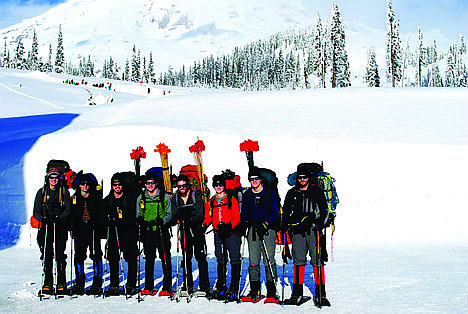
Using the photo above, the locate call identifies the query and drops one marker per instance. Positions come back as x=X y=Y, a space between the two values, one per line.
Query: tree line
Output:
x=306 y=58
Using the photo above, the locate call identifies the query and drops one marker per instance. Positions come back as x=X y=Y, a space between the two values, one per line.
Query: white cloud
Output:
x=14 y=11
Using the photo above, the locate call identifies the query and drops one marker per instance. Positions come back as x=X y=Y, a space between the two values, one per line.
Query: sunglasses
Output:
x=53 y=177
x=84 y=183
x=116 y=184
x=302 y=178
x=218 y=185
x=254 y=179
x=181 y=186
x=150 y=182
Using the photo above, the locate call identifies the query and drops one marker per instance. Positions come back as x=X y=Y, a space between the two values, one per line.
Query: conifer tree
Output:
x=34 y=59
x=462 y=45
x=126 y=74
x=340 y=76
x=48 y=64
x=319 y=59
x=5 y=57
x=59 y=56
x=19 y=56
x=421 y=57
x=151 y=75
x=135 y=76
x=393 y=43
x=372 y=77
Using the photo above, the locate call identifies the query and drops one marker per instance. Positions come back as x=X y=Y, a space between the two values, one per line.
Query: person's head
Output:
x=183 y=184
x=219 y=183
x=151 y=182
x=86 y=183
x=117 y=184
x=53 y=178
x=255 y=177
x=302 y=177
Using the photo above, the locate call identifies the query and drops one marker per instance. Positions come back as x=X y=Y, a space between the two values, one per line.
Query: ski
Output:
x=299 y=302
x=163 y=150
x=197 y=150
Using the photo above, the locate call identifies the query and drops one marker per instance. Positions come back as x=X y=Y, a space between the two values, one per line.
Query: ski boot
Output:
x=47 y=288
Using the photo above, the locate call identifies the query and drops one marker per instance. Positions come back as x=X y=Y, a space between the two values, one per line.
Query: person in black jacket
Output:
x=188 y=210
x=87 y=230
x=305 y=215
x=52 y=208
x=120 y=207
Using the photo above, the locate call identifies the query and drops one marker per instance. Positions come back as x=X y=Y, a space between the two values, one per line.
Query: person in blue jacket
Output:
x=259 y=212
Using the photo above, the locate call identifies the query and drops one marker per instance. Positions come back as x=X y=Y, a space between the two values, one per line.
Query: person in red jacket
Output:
x=222 y=211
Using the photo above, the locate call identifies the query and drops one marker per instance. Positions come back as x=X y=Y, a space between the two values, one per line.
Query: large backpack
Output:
x=191 y=171
x=233 y=185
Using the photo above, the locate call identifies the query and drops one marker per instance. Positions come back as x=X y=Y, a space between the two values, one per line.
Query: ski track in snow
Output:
x=34 y=98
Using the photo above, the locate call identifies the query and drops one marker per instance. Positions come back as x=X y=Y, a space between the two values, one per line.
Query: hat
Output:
x=53 y=171
x=151 y=176
x=183 y=177
x=255 y=172
x=116 y=178
x=87 y=178
x=219 y=180
x=303 y=171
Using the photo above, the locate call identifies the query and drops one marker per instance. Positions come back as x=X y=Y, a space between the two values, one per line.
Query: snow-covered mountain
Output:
x=175 y=31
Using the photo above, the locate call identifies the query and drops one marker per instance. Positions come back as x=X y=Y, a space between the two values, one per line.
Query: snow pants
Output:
x=256 y=252
x=304 y=243
x=224 y=247
x=193 y=242
x=57 y=236
x=87 y=238
x=153 y=240
x=127 y=244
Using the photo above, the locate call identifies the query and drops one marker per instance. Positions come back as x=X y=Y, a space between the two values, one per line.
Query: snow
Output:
x=397 y=155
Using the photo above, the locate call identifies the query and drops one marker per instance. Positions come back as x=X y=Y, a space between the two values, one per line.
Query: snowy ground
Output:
x=398 y=157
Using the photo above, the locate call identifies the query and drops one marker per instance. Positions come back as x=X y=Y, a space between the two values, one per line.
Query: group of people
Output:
x=131 y=215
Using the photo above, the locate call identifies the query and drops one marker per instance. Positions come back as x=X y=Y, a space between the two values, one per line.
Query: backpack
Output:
x=191 y=171
x=321 y=179
x=157 y=171
x=233 y=186
x=62 y=166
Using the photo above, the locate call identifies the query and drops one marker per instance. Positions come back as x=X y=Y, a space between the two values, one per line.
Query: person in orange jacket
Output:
x=222 y=211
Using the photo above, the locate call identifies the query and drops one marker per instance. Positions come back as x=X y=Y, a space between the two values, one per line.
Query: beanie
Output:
x=255 y=172
x=53 y=171
x=303 y=171
x=219 y=180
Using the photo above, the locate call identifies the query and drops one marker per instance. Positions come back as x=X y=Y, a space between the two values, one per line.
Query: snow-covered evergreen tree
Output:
x=126 y=74
x=462 y=45
x=339 y=63
x=135 y=66
x=421 y=57
x=59 y=55
x=5 y=57
x=151 y=74
x=435 y=79
x=48 y=65
x=34 y=57
x=451 y=75
x=319 y=55
x=393 y=43
x=372 y=77
x=19 y=61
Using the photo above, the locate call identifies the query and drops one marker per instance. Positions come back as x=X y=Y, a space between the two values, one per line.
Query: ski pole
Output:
x=319 y=269
x=177 y=259
x=106 y=255
x=265 y=251
x=284 y=265
x=139 y=269
x=43 y=261
x=120 y=260
x=241 y=267
x=71 y=263
x=184 y=252
x=54 y=247
x=164 y=259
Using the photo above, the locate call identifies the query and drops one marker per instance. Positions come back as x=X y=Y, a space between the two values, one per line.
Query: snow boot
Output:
x=149 y=274
x=271 y=297
x=61 y=279
x=254 y=294
x=47 y=288
x=233 y=294
x=320 y=296
x=297 y=295
x=78 y=288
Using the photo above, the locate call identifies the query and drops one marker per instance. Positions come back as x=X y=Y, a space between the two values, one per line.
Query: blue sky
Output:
x=450 y=16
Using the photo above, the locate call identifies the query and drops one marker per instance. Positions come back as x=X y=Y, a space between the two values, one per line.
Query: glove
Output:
x=140 y=221
x=224 y=229
x=331 y=219
x=261 y=227
x=54 y=218
x=203 y=227
x=159 y=221
x=286 y=253
x=112 y=221
x=45 y=220
x=241 y=229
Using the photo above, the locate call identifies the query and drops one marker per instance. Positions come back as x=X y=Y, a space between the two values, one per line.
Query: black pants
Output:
x=153 y=240
x=127 y=244
x=87 y=238
x=193 y=242
x=57 y=236
x=223 y=246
